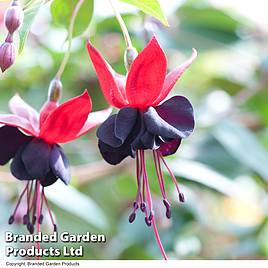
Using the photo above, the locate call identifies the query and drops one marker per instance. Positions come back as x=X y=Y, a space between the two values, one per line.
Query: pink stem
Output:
x=159 y=240
x=171 y=174
x=150 y=203
x=160 y=182
x=38 y=200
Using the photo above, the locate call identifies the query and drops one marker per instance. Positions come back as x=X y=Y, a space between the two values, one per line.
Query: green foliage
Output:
x=29 y=16
x=62 y=11
x=243 y=145
x=150 y=7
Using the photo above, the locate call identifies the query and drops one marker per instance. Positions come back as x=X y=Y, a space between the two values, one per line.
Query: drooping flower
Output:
x=32 y=141
x=144 y=121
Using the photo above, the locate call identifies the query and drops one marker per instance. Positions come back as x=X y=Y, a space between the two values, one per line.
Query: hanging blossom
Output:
x=144 y=122
x=32 y=140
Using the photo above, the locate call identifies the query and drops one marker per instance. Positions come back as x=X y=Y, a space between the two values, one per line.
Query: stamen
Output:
x=49 y=211
x=132 y=217
x=160 y=172
x=148 y=219
x=150 y=203
x=33 y=207
x=135 y=205
x=139 y=199
x=41 y=217
x=181 y=195
x=143 y=206
x=168 y=210
x=138 y=196
x=38 y=201
x=26 y=217
x=160 y=182
x=30 y=228
x=12 y=217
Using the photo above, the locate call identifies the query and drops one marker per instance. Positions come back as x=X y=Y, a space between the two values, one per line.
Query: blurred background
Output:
x=222 y=168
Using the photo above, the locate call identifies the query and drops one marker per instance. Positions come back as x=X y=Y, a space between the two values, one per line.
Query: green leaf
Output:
x=76 y=203
x=29 y=16
x=205 y=175
x=62 y=11
x=243 y=145
x=150 y=7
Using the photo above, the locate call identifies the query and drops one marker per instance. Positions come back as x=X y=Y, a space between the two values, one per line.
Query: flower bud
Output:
x=13 y=18
x=7 y=55
x=130 y=55
x=55 y=90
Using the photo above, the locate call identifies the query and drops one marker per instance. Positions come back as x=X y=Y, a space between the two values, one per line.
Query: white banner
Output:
x=139 y=264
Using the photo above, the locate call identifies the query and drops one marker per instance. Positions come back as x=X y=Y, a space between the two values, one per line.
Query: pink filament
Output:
x=47 y=205
x=38 y=200
x=159 y=175
x=150 y=203
x=170 y=172
x=19 y=201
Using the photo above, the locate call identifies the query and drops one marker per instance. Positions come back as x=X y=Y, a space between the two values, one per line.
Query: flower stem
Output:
x=38 y=200
x=70 y=36
x=122 y=24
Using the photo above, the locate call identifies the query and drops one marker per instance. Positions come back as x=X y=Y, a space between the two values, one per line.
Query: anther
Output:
x=11 y=219
x=166 y=203
x=25 y=219
x=143 y=207
x=135 y=205
x=181 y=197
x=40 y=220
x=30 y=228
x=132 y=217
x=34 y=220
x=148 y=222
x=151 y=215
x=168 y=213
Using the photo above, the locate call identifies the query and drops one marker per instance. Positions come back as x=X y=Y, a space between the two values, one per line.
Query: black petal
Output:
x=158 y=126
x=17 y=167
x=169 y=148
x=35 y=157
x=59 y=164
x=11 y=139
x=149 y=141
x=106 y=132
x=136 y=134
x=124 y=122
x=115 y=155
x=178 y=112
x=49 y=179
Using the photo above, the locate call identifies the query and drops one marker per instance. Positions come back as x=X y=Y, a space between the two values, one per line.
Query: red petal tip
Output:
x=86 y=95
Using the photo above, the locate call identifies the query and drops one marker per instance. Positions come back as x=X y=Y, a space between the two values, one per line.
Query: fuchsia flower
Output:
x=144 y=121
x=31 y=140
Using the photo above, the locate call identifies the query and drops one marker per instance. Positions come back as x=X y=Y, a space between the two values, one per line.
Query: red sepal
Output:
x=146 y=76
x=67 y=120
x=173 y=76
x=112 y=84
